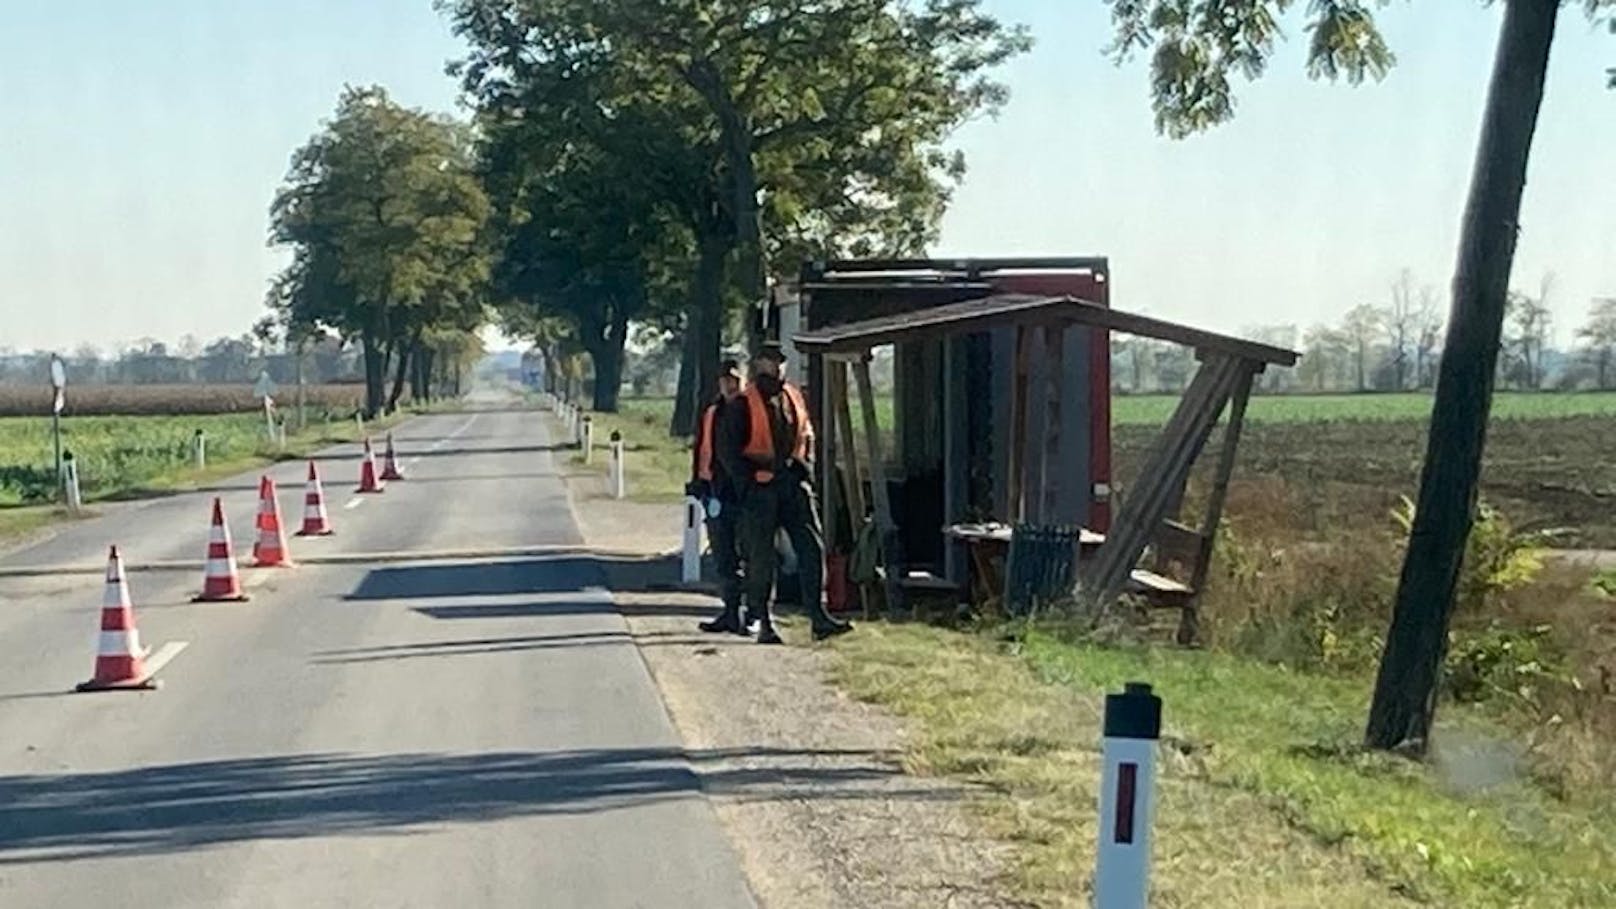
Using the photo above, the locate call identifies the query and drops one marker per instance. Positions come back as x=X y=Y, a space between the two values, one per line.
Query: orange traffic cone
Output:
x=316 y=523
x=120 y=661
x=368 y=481
x=270 y=548
x=390 y=469
x=220 y=579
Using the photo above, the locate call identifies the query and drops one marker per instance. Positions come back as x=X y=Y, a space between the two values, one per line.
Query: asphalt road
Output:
x=449 y=732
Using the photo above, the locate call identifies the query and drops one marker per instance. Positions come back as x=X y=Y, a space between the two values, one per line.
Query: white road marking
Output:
x=164 y=654
x=352 y=503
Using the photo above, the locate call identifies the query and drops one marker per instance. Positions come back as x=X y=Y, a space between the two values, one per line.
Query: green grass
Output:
x=657 y=464
x=1155 y=409
x=1264 y=799
x=126 y=457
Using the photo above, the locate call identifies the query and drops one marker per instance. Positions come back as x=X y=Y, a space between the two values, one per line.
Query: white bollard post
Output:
x=282 y=429
x=691 y=569
x=199 y=449
x=615 y=471
x=586 y=435
x=1127 y=798
x=70 y=469
x=359 y=421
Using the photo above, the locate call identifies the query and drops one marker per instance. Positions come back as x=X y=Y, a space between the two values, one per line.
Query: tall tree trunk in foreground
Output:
x=1405 y=690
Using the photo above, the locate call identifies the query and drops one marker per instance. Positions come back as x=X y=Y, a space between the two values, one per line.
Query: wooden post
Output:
x=842 y=415
x=829 y=492
x=1054 y=376
x=1014 y=512
x=1189 y=623
x=854 y=478
x=891 y=549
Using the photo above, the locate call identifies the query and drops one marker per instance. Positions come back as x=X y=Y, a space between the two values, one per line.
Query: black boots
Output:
x=729 y=622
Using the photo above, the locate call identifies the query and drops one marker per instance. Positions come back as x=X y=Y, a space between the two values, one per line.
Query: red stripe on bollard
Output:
x=1127 y=781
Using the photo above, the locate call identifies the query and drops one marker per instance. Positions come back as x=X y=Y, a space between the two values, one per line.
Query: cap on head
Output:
x=730 y=369
x=771 y=351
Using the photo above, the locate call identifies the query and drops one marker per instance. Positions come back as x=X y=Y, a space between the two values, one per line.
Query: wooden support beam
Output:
x=891 y=547
x=843 y=418
x=1189 y=622
x=829 y=488
x=1164 y=471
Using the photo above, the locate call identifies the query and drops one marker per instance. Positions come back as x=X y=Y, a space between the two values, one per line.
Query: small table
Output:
x=989 y=547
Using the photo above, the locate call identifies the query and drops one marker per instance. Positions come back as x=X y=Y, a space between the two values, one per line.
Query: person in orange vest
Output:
x=712 y=485
x=765 y=442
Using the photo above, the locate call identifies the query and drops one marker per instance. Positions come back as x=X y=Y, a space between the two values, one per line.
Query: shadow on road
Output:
x=176 y=807
x=568 y=573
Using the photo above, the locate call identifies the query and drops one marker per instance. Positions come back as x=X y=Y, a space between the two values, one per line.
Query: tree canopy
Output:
x=749 y=132
x=387 y=225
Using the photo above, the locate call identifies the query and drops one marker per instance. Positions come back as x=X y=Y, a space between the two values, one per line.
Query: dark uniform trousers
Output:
x=723 y=535
x=785 y=503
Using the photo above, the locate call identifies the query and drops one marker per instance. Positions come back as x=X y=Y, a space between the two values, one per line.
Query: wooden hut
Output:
x=1001 y=420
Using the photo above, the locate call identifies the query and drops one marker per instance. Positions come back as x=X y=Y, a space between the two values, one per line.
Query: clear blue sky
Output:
x=140 y=145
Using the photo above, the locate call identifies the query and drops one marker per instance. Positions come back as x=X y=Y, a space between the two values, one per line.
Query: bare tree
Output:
x=1427 y=335
x=1598 y=336
x=1398 y=320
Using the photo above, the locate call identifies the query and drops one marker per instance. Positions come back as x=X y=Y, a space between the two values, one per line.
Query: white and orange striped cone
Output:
x=220 y=579
x=316 y=523
x=368 y=481
x=120 y=661
x=269 y=550
x=390 y=469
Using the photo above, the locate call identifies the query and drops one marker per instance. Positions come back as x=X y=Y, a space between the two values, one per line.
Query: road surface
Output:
x=452 y=732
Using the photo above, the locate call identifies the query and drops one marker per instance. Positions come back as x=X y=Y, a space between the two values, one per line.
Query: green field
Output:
x=122 y=456
x=1128 y=410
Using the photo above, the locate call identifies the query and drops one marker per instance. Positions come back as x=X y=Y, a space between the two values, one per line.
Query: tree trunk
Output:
x=375 y=374
x=405 y=356
x=607 y=358
x=683 y=423
x=1406 y=687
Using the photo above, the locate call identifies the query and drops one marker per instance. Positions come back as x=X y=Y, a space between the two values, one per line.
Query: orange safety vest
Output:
x=760 y=437
x=704 y=444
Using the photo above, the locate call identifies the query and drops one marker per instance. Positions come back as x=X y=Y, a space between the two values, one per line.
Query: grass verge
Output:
x=130 y=457
x=1264 y=799
x=657 y=464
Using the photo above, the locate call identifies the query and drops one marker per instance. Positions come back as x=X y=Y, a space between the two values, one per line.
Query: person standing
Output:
x=765 y=443
x=712 y=485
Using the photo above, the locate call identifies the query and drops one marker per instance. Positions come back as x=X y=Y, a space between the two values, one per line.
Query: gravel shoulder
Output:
x=808 y=784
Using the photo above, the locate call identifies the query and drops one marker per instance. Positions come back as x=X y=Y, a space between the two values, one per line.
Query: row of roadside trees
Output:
x=629 y=166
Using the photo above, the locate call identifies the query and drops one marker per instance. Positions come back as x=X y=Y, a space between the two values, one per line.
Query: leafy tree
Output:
x=1197 y=46
x=1598 y=336
x=1328 y=358
x=1527 y=335
x=385 y=218
x=801 y=127
x=1361 y=326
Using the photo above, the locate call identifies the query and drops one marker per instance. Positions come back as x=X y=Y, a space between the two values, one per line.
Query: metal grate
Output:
x=1039 y=567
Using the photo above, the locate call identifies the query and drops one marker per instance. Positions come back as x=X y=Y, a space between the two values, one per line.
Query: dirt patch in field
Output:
x=1330 y=477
